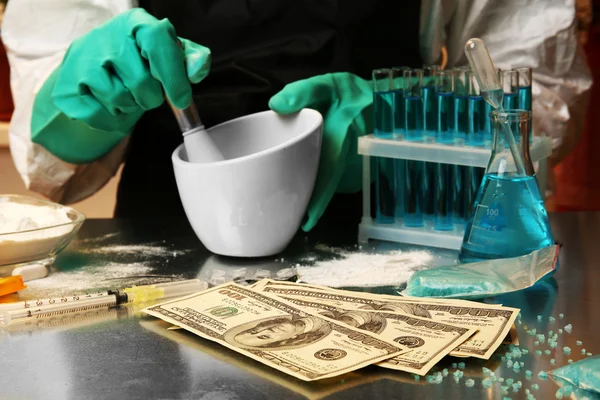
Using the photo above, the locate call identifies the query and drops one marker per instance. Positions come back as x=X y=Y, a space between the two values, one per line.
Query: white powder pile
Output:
x=357 y=269
x=17 y=217
x=95 y=277
x=150 y=250
x=33 y=242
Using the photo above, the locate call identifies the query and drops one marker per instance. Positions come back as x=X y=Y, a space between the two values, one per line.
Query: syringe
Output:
x=14 y=312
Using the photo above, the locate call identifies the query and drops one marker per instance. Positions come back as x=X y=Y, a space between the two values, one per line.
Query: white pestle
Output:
x=199 y=146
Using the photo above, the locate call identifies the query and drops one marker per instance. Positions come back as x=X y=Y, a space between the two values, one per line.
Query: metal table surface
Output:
x=121 y=353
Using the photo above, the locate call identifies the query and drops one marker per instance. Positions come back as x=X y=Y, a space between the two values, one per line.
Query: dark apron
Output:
x=258 y=46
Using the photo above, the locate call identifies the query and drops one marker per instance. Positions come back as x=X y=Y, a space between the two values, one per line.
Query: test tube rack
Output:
x=371 y=146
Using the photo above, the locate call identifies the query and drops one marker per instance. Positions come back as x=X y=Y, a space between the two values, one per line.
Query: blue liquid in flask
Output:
x=508 y=220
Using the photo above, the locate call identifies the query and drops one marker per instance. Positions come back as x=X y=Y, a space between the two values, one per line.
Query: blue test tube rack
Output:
x=452 y=154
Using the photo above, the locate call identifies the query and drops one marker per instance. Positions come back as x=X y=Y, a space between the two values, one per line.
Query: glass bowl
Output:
x=40 y=243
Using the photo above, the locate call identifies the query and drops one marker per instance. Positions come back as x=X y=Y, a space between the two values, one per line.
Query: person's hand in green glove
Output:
x=108 y=78
x=345 y=101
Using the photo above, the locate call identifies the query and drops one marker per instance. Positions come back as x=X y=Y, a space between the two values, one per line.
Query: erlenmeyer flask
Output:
x=508 y=218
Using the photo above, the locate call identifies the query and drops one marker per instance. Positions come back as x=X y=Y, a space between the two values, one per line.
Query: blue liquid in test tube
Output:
x=383 y=114
x=399 y=133
x=510 y=84
x=524 y=98
x=457 y=194
x=487 y=137
x=385 y=187
x=445 y=109
x=383 y=107
x=524 y=88
x=475 y=134
x=413 y=193
x=414 y=179
x=383 y=103
x=442 y=219
x=524 y=92
x=413 y=104
x=430 y=80
x=414 y=117
x=462 y=90
x=443 y=183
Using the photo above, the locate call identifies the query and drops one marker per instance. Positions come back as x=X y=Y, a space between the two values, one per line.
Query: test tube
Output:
x=445 y=107
x=475 y=133
x=443 y=197
x=399 y=133
x=462 y=90
x=510 y=85
x=443 y=177
x=383 y=103
x=462 y=87
x=397 y=82
x=524 y=91
x=385 y=188
x=488 y=137
x=525 y=78
x=475 y=136
x=430 y=79
x=414 y=172
x=385 y=179
x=413 y=104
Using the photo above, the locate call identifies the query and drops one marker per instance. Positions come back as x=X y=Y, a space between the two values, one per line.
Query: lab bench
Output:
x=121 y=353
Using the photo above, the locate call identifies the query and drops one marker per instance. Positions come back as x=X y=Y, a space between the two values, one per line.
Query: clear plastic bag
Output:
x=583 y=374
x=485 y=278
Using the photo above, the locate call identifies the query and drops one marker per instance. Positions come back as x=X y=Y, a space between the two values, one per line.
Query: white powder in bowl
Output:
x=31 y=232
x=17 y=217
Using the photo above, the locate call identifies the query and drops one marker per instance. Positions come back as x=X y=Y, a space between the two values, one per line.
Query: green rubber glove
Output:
x=108 y=78
x=345 y=101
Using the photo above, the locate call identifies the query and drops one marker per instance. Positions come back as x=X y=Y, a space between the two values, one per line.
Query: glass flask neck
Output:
x=502 y=161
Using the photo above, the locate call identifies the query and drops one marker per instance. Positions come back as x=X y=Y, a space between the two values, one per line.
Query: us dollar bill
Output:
x=276 y=332
x=429 y=341
x=264 y=282
x=492 y=322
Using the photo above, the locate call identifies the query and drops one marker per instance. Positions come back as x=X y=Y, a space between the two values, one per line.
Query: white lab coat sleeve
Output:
x=36 y=34
x=537 y=34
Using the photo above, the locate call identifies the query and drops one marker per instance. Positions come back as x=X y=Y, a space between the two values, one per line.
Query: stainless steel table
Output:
x=120 y=353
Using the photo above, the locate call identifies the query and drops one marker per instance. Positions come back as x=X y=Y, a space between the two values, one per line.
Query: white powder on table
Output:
x=357 y=269
x=150 y=249
x=94 y=277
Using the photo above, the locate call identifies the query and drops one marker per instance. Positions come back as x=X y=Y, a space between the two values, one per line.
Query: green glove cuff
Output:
x=350 y=120
x=70 y=140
